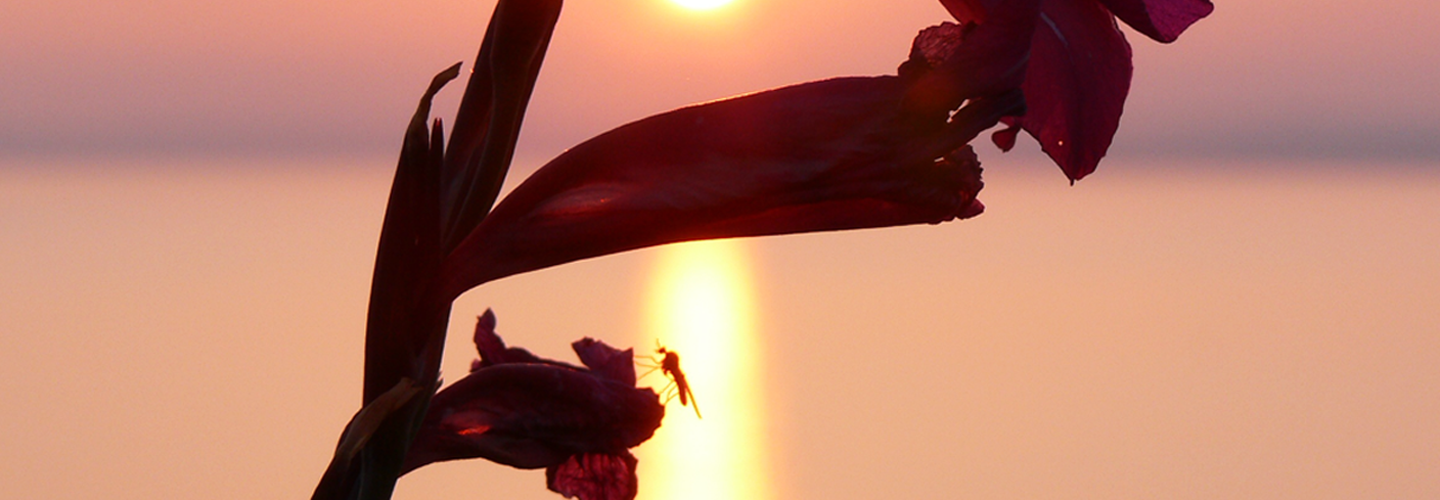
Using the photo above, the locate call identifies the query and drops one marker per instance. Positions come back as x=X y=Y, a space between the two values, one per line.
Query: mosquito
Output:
x=668 y=362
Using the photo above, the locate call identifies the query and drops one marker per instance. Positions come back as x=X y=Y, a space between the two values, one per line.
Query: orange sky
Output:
x=1282 y=77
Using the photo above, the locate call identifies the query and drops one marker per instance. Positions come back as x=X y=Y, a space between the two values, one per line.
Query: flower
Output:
x=527 y=412
x=844 y=153
x=1079 y=65
x=837 y=154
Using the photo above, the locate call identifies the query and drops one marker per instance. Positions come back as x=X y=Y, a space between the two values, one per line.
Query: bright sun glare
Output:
x=701 y=4
x=701 y=305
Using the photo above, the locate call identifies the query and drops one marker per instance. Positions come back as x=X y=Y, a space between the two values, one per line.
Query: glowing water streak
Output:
x=701 y=305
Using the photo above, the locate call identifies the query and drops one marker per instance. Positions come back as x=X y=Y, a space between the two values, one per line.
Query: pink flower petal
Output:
x=530 y=415
x=966 y=11
x=1161 y=20
x=528 y=412
x=593 y=476
x=1075 y=87
x=606 y=361
x=1005 y=138
x=492 y=348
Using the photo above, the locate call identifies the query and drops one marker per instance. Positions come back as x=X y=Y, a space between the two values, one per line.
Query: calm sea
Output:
x=1163 y=329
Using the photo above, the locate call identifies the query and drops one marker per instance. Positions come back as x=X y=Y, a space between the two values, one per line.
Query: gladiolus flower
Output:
x=844 y=153
x=1079 y=65
x=838 y=154
x=527 y=412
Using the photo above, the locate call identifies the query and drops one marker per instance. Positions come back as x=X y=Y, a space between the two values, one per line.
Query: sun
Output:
x=701 y=4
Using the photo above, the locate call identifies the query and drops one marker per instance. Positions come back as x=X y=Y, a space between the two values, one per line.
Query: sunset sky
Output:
x=1242 y=302
x=1278 y=77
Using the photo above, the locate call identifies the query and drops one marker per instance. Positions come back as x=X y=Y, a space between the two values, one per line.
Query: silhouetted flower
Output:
x=844 y=153
x=528 y=412
x=1079 y=65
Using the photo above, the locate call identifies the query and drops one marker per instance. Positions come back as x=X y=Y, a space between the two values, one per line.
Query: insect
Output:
x=668 y=362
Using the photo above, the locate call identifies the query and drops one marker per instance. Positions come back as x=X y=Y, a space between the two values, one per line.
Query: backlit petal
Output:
x=594 y=476
x=528 y=412
x=1162 y=20
x=966 y=11
x=531 y=415
x=606 y=361
x=1076 y=84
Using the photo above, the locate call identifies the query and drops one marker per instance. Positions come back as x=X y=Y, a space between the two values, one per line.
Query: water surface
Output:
x=1176 y=329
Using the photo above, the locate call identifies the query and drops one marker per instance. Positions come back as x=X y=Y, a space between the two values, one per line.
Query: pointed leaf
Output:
x=408 y=251
x=488 y=122
x=365 y=423
x=401 y=331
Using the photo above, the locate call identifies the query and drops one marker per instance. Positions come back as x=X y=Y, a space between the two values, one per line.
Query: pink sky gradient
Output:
x=1320 y=78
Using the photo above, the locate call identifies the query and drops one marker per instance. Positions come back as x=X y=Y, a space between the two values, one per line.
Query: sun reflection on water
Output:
x=701 y=4
x=700 y=304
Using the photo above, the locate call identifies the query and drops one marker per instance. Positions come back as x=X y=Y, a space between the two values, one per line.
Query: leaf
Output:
x=492 y=109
